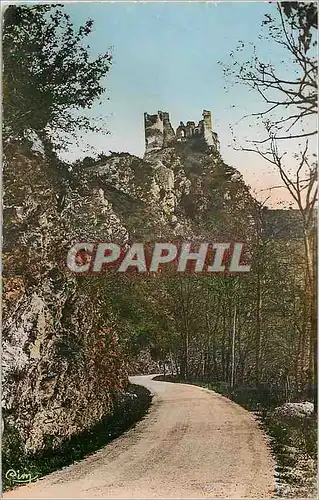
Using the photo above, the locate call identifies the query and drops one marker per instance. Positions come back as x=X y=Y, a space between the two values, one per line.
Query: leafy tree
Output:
x=49 y=77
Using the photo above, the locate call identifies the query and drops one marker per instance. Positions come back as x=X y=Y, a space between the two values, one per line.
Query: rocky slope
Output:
x=63 y=354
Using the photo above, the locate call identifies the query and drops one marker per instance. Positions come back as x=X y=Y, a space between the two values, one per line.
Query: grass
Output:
x=294 y=443
x=129 y=408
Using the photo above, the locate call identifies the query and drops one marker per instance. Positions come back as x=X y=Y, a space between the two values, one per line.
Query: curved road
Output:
x=193 y=443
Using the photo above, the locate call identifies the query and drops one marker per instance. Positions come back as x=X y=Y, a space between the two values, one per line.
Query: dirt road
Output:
x=193 y=444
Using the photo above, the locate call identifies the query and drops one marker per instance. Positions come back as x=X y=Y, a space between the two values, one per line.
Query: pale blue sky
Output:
x=166 y=57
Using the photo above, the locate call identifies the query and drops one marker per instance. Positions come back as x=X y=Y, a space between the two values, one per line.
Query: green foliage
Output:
x=294 y=442
x=48 y=74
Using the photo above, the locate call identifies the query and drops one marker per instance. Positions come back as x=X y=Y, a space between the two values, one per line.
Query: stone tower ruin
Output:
x=160 y=134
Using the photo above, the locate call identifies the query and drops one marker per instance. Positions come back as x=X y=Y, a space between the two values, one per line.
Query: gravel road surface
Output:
x=193 y=443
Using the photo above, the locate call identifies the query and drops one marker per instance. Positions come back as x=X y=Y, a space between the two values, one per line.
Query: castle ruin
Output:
x=160 y=134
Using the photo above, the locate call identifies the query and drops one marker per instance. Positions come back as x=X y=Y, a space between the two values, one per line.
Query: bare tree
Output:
x=288 y=119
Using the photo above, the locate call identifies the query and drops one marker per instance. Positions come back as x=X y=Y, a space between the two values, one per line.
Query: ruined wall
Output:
x=169 y=134
x=207 y=127
x=159 y=132
x=154 y=132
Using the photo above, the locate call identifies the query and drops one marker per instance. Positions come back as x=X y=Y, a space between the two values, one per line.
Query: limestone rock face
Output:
x=63 y=358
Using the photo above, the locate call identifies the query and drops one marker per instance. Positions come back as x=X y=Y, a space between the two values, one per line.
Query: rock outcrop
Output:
x=63 y=355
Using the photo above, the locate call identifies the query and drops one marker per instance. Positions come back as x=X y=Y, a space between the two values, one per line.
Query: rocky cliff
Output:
x=63 y=351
